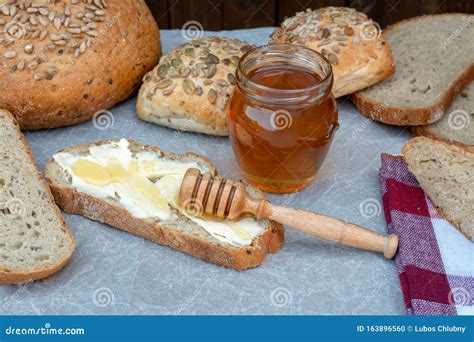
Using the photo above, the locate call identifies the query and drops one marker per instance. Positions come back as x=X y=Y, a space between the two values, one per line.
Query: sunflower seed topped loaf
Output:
x=61 y=61
x=190 y=87
x=458 y=124
x=351 y=42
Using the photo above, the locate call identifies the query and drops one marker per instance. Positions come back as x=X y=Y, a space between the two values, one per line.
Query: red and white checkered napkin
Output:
x=435 y=261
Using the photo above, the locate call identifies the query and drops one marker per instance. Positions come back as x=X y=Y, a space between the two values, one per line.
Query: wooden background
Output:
x=235 y=14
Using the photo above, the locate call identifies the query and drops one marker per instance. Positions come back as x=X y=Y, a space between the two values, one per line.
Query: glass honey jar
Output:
x=282 y=116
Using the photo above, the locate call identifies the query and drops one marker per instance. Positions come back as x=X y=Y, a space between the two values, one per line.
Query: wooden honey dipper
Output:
x=225 y=199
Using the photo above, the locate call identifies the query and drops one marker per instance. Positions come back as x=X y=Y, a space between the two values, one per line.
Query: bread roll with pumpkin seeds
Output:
x=352 y=43
x=61 y=61
x=190 y=87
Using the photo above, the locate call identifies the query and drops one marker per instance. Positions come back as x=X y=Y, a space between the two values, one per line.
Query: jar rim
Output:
x=323 y=63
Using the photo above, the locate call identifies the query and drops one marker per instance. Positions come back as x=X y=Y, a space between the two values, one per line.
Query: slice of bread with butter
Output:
x=134 y=187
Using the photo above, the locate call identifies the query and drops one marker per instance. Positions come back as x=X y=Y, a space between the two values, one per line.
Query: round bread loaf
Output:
x=352 y=43
x=62 y=61
x=190 y=87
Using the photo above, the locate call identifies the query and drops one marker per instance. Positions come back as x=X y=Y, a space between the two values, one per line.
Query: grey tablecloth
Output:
x=112 y=272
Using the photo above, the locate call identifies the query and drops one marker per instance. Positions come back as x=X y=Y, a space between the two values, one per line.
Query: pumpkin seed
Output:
x=212 y=96
x=189 y=87
x=189 y=52
x=198 y=91
x=211 y=70
x=163 y=70
x=212 y=59
x=176 y=62
x=164 y=83
x=231 y=78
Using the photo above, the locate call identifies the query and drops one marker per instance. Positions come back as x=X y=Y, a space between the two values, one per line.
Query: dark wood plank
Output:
x=445 y=6
x=235 y=14
x=431 y=6
x=396 y=10
x=288 y=8
x=372 y=8
x=248 y=13
x=207 y=13
x=466 y=6
x=161 y=12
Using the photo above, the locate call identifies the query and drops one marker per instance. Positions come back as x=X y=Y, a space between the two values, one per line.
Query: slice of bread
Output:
x=181 y=233
x=34 y=240
x=445 y=171
x=458 y=124
x=434 y=62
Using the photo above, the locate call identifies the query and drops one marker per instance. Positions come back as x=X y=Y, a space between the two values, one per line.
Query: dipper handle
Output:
x=214 y=196
x=339 y=231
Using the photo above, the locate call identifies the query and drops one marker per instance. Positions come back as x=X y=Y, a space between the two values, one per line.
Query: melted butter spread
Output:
x=146 y=185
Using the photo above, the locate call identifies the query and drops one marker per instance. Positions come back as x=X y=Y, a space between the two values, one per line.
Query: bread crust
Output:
x=401 y=116
x=238 y=258
x=24 y=277
x=110 y=70
x=464 y=105
x=191 y=109
x=450 y=145
x=425 y=131
x=360 y=62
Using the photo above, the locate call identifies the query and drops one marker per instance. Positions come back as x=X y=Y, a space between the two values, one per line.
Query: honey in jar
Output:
x=282 y=116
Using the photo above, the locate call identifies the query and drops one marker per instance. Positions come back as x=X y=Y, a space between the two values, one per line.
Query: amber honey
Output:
x=282 y=117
